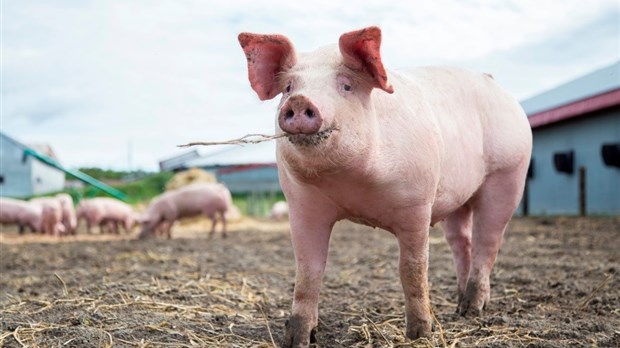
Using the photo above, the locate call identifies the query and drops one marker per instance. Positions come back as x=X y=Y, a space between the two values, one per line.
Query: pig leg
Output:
x=168 y=228
x=413 y=267
x=213 y=223
x=457 y=228
x=223 y=216
x=310 y=231
x=493 y=207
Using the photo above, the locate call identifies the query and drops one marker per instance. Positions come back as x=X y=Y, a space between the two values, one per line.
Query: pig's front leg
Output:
x=413 y=266
x=310 y=232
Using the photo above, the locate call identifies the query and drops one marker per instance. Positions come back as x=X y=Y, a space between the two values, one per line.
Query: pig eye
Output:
x=347 y=88
x=288 y=88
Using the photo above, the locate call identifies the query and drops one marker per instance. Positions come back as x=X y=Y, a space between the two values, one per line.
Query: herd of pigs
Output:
x=57 y=215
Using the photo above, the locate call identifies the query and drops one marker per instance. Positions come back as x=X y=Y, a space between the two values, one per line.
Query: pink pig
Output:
x=22 y=213
x=104 y=211
x=400 y=150
x=69 y=219
x=279 y=210
x=51 y=210
x=196 y=199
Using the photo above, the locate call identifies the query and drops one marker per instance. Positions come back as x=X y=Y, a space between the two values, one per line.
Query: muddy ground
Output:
x=555 y=284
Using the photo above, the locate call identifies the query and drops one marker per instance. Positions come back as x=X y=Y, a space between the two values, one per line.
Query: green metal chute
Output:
x=77 y=174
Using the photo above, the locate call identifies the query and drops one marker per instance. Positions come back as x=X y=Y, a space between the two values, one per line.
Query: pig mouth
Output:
x=313 y=139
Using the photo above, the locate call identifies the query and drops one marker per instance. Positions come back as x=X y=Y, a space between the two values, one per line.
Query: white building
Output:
x=22 y=175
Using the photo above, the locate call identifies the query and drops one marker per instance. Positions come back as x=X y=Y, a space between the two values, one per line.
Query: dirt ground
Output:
x=555 y=284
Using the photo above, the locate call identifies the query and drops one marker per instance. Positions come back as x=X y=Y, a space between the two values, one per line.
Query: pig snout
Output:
x=299 y=115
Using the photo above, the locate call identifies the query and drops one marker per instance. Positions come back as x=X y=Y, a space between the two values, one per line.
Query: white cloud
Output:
x=91 y=76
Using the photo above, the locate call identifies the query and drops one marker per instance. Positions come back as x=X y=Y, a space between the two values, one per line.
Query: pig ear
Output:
x=267 y=56
x=360 y=50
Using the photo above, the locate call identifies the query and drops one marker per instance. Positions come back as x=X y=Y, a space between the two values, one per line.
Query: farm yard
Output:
x=555 y=284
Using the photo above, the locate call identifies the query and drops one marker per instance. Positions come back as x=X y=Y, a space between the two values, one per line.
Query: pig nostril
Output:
x=309 y=113
x=289 y=114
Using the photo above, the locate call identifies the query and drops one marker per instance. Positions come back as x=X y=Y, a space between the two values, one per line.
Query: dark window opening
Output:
x=1 y=179
x=611 y=154
x=564 y=162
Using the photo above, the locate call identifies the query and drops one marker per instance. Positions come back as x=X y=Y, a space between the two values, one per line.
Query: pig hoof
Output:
x=473 y=301
x=422 y=328
x=298 y=333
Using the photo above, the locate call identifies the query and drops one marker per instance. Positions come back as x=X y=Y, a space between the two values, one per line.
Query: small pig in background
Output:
x=69 y=218
x=210 y=199
x=279 y=211
x=400 y=150
x=21 y=213
x=52 y=211
x=106 y=212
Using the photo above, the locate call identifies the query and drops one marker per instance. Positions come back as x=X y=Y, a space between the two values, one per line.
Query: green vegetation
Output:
x=108 y=174
x=141 y=190
x=256 y=204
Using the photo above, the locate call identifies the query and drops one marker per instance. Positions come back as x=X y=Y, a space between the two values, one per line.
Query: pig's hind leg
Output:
x=457 y=229
x=223 y=217
x=493 y=206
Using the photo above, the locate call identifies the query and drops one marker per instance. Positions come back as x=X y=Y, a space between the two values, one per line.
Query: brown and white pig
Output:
x=210 y=199
x=69 y=219
x=51 y=210
x=21 y=213
x=395 y=149
x=105 y=211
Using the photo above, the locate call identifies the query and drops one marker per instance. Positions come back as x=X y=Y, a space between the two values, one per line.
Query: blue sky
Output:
x=103 y=81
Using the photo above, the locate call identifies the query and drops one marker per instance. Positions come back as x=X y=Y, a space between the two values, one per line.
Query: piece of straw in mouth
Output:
x=246 y=139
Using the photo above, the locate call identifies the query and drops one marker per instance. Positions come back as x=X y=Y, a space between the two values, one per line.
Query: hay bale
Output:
x=190 y=176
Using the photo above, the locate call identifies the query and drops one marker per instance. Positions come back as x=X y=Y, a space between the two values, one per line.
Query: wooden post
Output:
x=582 y=191
x=526 y=198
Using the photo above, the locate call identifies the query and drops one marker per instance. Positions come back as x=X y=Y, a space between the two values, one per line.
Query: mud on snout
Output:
x=313 y=139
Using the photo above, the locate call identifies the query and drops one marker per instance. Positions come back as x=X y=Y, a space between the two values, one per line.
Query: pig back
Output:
x=15 y=211
x=201 y=198
x=462 y=120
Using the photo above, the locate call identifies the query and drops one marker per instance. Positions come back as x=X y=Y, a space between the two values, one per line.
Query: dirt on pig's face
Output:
x=320 y=87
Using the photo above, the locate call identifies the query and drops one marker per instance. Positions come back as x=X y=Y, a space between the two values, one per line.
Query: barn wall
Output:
x=14 y=172
x=552 y=192
x=46 y=179
x=264 y=179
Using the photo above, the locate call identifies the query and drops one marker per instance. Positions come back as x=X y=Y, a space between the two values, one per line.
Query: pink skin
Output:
x=103 y=211
x=51 y=222
x=22 y=213
x=69 y=219
x=212 y=200
x=400 y=150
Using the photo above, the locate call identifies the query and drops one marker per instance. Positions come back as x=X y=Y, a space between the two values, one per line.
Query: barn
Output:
x=22 y=175
x=575 y=168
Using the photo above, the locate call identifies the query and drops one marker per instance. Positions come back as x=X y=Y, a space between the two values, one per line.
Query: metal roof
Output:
x=597 y=82
x=261 y=153
x=178 y=161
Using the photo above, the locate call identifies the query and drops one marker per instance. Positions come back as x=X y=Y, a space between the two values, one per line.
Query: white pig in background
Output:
x=209 y=199
x=69 y=218
x=51 y=210
x=21 y=213
x=279 y=210
x=105 y=211
x=395 y=149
